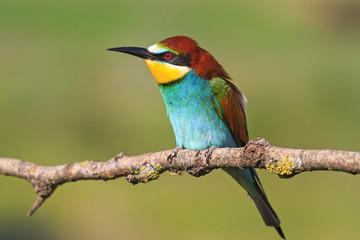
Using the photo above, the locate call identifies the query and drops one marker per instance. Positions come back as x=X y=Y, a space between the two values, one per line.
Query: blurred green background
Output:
x=63 y=98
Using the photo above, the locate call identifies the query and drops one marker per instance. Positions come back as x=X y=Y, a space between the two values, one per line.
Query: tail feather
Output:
x=280 y=232
x=249 y=180
x=267 y=213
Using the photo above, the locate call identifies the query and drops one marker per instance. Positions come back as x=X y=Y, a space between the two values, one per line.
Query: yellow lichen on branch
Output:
x=284 y=167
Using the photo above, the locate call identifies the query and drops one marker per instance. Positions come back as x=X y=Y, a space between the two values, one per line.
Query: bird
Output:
x=205 y=107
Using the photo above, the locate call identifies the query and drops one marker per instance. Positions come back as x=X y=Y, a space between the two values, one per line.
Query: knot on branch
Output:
x=255 y=150
x=42 y=188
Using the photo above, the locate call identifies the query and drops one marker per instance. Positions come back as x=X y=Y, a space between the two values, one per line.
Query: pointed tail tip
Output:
x=280 y=232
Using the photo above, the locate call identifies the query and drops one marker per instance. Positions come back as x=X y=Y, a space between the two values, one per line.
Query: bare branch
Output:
x=258 y=153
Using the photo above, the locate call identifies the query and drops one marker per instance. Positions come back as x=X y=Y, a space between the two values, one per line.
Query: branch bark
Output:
x=258 y=153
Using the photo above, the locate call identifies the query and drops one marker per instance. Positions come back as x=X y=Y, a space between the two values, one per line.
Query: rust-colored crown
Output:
x=202 y=61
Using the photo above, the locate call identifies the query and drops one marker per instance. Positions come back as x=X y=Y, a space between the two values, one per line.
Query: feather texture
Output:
x=230 y=104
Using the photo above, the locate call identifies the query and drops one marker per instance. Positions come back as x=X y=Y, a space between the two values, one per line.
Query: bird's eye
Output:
x=167 y=55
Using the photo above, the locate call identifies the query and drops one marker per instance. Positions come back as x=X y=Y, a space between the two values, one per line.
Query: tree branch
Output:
x=258 y=153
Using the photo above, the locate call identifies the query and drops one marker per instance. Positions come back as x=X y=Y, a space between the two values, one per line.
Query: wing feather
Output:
x=230 y=104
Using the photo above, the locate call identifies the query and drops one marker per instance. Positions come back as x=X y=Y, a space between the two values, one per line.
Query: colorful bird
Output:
x=204 y=106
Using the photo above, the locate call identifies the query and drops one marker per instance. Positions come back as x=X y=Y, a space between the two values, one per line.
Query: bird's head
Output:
x=172 y=58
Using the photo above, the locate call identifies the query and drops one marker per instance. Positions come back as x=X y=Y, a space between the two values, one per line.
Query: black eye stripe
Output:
x=180 y=60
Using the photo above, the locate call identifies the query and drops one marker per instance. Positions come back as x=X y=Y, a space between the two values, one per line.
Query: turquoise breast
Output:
x=195 y=120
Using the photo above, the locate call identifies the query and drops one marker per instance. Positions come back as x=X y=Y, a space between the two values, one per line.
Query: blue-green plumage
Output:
x=192 y=113
x=197 y=123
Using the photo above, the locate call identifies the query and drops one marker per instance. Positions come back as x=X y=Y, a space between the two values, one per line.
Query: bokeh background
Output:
x=63 y=99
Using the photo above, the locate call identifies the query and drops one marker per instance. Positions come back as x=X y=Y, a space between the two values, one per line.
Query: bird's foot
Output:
x=173 y=154
x=208 y=154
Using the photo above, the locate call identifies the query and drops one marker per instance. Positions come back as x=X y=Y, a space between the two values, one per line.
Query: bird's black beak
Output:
x=136 y=51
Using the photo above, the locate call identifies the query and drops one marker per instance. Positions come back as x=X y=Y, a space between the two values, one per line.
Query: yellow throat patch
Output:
x=164 y=72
